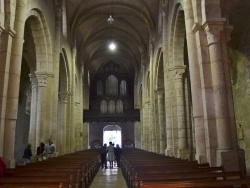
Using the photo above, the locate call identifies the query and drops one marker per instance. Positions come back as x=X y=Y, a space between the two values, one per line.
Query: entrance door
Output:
x=112 y=133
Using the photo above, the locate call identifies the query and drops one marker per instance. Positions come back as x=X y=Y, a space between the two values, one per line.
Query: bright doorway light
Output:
x=112 y=46
x=112 y=134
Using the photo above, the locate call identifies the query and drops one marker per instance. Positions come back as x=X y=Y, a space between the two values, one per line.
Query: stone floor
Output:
x=109 y=178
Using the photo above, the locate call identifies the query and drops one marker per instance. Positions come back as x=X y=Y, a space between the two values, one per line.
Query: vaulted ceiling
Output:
x=135 y=23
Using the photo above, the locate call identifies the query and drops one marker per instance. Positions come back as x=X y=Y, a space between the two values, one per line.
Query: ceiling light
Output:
x=110 y=20
x=112 y=46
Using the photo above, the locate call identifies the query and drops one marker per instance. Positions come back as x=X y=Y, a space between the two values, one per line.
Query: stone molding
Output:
x=42 y=79
x=213 y=30
x=179 y=71
x=63 y=95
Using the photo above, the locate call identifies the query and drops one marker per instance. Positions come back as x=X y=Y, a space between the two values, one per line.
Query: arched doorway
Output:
x=112 y=133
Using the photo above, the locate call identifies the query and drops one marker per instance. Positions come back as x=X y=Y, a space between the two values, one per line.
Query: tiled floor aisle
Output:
x=109 y=178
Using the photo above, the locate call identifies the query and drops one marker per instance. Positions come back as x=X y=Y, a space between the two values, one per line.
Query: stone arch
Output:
x=159 y=70
x=64 y=72
x=37 y=51
x=160 y=95
x=181 y=81
x=179 y=37
x=39 y=29
x=173 y=30
x=34 y=58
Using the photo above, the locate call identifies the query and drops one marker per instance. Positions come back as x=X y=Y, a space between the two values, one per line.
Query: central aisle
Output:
x=109 y=178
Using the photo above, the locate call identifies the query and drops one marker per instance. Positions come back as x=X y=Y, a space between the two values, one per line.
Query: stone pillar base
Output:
x=201 y=158
x=169 y=152
x=183 y=153
x=11 y=163
x=232 y=160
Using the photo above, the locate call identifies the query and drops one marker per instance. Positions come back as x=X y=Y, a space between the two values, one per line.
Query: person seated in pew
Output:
x=48 y=150
x=2 y=167
x=27 y=154
x=40 y=149
x=40 y=152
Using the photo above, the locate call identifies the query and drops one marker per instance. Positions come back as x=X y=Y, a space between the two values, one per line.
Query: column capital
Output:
x=179 y=71
x=63 y=95
x=213 y=30
x=42 y=79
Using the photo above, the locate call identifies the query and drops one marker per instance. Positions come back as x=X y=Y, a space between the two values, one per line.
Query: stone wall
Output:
x=239 y=56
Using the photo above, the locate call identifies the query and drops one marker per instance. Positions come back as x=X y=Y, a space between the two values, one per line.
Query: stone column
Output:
x=5 y=53
x=146 y=125
x=168 y=105
x=213 y=31
x=5 y=50
x=152 y=128
x=63 y=95
x=195 y=78
x=156 y=122
x=73 y=100
x=137 y=130
x=56 y=66
x=169 y=151
x=13 y=85
x=33 y=113
x=182 y=138
x=41 y=136
x=142 y=128
x=161 y=118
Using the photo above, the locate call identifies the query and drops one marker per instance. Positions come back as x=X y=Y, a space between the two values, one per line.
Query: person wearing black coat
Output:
x=27 y=154
x=118 y=152
x=104 y=155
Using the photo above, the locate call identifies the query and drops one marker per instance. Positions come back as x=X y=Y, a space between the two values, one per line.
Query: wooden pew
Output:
x=73 y=170
x=145 y=169
x=50 y=181
x=243 y=183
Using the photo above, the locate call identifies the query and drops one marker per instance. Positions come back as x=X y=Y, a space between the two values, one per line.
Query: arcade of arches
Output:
x=178 y=82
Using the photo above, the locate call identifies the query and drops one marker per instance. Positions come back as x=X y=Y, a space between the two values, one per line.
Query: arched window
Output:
x=119 y=107
x=111 y=107
x=123 y=88
x=99 y=88
x=104 y=107
x=111 y=86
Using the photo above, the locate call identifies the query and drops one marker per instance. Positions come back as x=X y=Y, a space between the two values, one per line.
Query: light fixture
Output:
x=112 y=46
x=110 y=20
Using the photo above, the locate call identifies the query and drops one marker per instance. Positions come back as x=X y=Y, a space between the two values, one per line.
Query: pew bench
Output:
x=187 y=177
x=41 y=181
x=242 y=183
